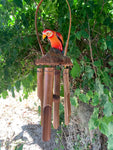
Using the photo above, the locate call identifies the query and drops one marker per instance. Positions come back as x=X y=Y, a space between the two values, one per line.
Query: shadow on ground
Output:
x=32 y=135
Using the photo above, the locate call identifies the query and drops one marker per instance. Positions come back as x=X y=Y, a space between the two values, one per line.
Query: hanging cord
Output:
x=67 y=43
x=41 y=47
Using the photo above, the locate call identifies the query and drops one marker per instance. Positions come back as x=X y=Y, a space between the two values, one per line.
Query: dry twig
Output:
x=91 y=54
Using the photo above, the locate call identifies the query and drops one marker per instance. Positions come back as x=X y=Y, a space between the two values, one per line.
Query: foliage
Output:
x=94 y=83
x=90 y=48
x=19 y=147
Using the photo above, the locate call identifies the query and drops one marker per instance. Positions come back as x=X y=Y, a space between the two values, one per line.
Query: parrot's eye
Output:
x=49 y=33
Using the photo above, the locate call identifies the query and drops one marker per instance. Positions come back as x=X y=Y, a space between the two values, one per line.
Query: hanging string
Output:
x=67 y=42
x=41 y=47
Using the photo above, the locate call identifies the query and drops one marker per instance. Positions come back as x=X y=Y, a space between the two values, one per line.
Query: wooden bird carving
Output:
x=55 y=38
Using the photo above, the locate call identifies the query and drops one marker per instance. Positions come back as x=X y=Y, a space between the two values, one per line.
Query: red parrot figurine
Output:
x=55 y=39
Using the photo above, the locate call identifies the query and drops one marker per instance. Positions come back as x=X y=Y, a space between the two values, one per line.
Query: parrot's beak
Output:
x=44 y=36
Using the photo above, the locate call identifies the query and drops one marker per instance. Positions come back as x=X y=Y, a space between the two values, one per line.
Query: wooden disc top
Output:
x=54 y=58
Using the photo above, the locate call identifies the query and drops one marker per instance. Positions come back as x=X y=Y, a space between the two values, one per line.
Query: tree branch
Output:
x=91 y=54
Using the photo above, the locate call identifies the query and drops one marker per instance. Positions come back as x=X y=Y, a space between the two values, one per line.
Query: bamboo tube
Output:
x=40 y=80
x=56 y=99
x=47 y=105
x=47 y=124
x=67 y=105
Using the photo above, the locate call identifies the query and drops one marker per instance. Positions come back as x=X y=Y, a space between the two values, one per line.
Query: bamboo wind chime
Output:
x=48 y=84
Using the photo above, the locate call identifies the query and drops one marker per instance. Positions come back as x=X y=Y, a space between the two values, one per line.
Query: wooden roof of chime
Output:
x=48 y=78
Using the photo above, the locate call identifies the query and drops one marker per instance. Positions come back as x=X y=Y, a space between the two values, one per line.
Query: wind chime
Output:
x=48 y=84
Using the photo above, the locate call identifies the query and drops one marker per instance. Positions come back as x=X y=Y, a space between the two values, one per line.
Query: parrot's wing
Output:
x=60 y=36
x=59 y=39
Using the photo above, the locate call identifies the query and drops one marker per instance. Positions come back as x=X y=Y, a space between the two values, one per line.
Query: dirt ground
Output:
x=20 y=126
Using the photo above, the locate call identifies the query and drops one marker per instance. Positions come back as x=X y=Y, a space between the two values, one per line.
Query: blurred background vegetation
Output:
x=90 y=49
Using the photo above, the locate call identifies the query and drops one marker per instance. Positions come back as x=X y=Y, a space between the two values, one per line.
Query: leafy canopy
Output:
x=90 y=48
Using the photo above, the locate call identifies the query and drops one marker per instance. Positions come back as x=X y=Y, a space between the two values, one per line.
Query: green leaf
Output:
x=106 y=78
x=94 y=122
x=20 y=99
x=84 y=34
x=95 y=100
x=39 y=109
x=62 y=90
x=78 y=35
x=97 y=63
x=103 y=127
x=107 y=119
x=25 y=95
x=103 y=45
x=75 y=72
x=77 y=92
x=18 y=3
x=74 y=101
x=13 y=92
x=81 y=33
x=4 y=94
x=17 y=85
x=104 y=99
x=89 y=72
x=61 y=113
x=110 y=142
x=26 y=83
x=99 y=87
x=84 y=98
x=19 y=148
x=110 y=128
x=108 y=109
x=61 y=147
x=90 y=93
x=110 y=63
x=109 y=43
x=28 y=1
x=61 y=107
x=26 y=24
